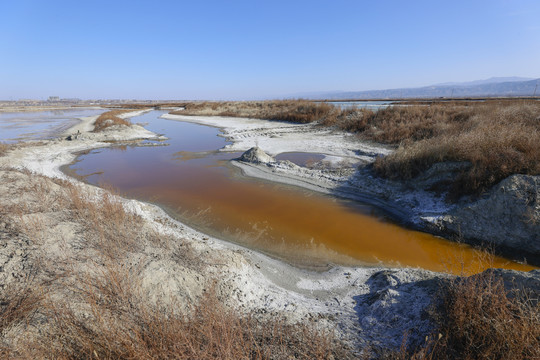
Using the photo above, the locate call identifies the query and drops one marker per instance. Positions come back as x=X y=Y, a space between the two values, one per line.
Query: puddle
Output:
x=193 y=183
x=23 y=126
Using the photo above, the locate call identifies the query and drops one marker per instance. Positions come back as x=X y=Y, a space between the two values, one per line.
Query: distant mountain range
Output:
x=497 y=86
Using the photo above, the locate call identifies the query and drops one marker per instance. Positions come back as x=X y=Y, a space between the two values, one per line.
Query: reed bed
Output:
x=110 y=118
x=478 y=318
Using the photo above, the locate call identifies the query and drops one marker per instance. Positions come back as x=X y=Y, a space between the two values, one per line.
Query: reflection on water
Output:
x=15 y=126
x=193 y=183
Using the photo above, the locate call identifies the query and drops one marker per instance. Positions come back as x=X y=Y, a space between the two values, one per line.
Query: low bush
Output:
x=110 y=118
x=297 y=111
x=479 y=319
x=3 y=148
x=497 y=140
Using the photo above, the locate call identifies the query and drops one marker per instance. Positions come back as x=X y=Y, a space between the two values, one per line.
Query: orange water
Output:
x=298 y=226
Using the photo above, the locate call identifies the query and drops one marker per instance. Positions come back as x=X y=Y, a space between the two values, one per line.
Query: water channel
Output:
x=195 y=183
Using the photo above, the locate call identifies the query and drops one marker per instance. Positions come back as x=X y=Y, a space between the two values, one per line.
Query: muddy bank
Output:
x=508 y=220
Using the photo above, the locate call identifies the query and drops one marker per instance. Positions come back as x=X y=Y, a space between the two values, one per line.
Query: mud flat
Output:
x=507 y=217
x=373 y=306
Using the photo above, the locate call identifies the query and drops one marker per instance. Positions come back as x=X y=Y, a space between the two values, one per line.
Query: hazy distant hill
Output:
x=510 y=86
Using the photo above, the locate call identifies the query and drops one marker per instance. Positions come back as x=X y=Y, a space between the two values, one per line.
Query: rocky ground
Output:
x=51 y=234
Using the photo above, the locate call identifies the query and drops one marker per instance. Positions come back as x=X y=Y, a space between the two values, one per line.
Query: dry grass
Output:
x=18 y=304
x=110 y=118
x=497 y=140
x=108 y=227
x=479 y=319
x=3 y=148
x=120 y=324
x=298 y=111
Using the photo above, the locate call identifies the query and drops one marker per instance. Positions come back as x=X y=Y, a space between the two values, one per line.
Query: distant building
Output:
x=54 y=98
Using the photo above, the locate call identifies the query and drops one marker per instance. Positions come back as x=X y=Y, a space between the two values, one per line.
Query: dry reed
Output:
x=3 y=148
x=298 y=111
x=479 y=319
x=110 y=118
x=496 y=140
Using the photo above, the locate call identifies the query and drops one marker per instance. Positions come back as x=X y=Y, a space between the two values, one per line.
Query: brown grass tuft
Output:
x=114 y=319
x=297 y=111
x=110 y=118
x=3 y=148
x=497 y=140
x=18 y=304
x=479 y=319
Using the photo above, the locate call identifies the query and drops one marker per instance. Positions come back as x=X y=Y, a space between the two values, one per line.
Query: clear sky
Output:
x=250 y=49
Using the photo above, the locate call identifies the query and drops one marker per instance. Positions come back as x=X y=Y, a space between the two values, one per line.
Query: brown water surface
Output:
x=193 y=183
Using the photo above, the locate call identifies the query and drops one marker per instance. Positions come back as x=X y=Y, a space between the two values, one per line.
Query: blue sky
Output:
x=258 y=49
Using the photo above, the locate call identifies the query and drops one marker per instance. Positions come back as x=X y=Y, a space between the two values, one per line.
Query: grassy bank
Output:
x=3 y=148
x=478 y=318
x=298 y=111
x=110 y=118
x=495 y=138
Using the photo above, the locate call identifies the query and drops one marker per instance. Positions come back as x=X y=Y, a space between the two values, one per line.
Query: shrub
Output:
x=478 y=319
x=297 y=111
x=3 y=148
x=498 y=140
x=110 y=118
